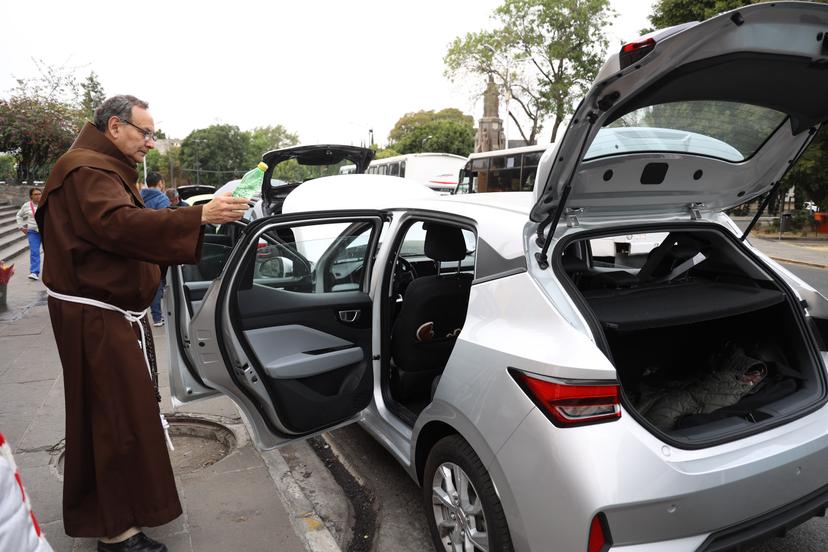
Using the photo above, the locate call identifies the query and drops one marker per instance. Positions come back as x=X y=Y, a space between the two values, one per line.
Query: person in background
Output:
x=26 y=223
x=153 y=195
x=155 y=198
x=102 y=274
x=175 y=199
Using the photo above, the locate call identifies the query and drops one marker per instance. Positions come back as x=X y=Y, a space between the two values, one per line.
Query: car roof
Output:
x=500 y=217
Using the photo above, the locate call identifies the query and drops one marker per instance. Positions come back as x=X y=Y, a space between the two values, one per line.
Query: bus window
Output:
x=529 y=170
x=394 y=169
x=402 y=169
x=505 y=174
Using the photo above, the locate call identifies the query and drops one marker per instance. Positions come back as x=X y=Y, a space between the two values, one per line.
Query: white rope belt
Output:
x=132 y=317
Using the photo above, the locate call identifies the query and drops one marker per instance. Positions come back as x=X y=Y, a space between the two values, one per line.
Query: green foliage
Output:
x=215 y=154
x=7 y=167
x=543 y=55
x=36 y=131
x=667 y=13
x=93 y=96
x=809 y=173
x=265 y=139
x=39 y=121
x=384 y=152
x=444 y=131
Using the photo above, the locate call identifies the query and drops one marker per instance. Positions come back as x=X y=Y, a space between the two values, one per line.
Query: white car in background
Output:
x=543 y=400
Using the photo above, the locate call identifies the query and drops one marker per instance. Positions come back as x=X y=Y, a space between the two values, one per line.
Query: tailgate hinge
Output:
x=695 y=210
x=572 y=216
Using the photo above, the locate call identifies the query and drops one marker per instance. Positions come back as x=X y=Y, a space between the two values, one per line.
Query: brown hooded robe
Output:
x=100 y=243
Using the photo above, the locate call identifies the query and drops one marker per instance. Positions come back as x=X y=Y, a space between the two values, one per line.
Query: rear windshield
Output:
x=725 y=130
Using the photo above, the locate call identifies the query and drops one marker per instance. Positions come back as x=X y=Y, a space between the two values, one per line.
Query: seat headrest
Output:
x=443 y=242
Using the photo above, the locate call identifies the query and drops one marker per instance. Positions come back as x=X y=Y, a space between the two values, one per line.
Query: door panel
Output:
x=284 y=333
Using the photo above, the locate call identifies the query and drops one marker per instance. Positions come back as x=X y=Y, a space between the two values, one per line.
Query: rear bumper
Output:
x=772 y=524
x=655 y=497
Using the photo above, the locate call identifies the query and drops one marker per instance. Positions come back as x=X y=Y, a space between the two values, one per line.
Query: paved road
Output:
x=817 y=277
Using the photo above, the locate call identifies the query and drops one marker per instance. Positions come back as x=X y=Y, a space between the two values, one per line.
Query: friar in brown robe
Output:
x=102 y=244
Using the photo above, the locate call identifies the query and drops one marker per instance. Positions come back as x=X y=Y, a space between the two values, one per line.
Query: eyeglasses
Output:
x=148 y=135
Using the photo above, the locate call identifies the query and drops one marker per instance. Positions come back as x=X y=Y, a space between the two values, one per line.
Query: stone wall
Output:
x=13 y=194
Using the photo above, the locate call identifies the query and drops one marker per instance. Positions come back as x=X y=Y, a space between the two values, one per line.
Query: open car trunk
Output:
x=708 y=346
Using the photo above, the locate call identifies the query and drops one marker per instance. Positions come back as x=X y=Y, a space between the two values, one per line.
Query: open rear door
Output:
x=285 y=330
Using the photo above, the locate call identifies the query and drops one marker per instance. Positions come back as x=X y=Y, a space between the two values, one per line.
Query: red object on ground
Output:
x=822 y=222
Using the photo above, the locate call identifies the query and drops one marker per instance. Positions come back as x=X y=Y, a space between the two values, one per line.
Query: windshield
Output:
x=725 y=130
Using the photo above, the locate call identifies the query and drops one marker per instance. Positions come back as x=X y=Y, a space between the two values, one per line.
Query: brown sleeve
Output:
x=109 y=219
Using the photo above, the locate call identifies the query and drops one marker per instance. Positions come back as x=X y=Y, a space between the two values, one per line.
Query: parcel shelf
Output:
x=666 y=305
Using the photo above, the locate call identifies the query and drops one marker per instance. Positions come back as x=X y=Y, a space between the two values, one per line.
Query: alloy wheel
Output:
x=458 y=511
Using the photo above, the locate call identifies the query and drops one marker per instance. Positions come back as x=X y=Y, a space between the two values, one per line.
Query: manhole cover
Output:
x=198 y=444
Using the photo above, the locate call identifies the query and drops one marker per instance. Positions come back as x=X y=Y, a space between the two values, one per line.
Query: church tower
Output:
x=490 y=134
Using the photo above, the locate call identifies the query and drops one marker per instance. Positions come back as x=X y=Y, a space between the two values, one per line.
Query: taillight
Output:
x=572 y=405
x=634 y=51
x=599 y=535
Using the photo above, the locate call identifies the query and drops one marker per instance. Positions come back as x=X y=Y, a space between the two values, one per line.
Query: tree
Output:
x=39 y=121
x=93 y=96
x=35 y=131
x=265 y=139
x=543 y=55
x=808 y=175
x=215 y=154
x=7 y=167
x=445 y=131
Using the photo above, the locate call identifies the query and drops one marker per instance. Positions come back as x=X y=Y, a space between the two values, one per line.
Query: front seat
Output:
x=441 y=300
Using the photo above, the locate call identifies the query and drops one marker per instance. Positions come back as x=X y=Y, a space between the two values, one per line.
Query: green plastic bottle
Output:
x=251 y=182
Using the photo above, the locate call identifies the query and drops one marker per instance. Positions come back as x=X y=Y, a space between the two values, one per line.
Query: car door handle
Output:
x=349 y=316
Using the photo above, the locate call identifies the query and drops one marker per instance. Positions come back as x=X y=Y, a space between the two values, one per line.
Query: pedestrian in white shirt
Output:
x=26 y=223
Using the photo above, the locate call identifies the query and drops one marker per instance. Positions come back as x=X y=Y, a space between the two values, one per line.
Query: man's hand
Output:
x=24 y=229
x=223 y=209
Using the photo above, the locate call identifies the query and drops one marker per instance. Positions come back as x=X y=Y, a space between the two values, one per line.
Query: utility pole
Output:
x=198 y=164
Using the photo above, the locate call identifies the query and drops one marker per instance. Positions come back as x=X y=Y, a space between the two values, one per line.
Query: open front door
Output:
x=285 y=331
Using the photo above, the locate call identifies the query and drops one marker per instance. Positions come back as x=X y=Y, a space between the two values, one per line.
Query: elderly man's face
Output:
x=134 y=136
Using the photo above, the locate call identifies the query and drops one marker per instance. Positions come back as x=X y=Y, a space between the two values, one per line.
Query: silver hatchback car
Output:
x=546 y=394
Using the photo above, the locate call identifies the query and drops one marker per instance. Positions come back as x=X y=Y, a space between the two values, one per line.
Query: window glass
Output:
x=480 y=164
x=394 y=169
x=504 y=180
x=402 y=169
x=725 y=130
x=413 y=249
x=532 y=159
x=315 y=258
x=215 y=250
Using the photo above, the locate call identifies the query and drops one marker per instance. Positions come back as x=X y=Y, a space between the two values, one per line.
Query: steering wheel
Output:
x=404 y=274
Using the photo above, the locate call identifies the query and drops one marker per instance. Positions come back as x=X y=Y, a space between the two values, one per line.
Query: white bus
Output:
x=438 y=171
x=507 y=170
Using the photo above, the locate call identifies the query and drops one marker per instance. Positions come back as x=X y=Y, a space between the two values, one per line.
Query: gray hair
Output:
x=116 y=106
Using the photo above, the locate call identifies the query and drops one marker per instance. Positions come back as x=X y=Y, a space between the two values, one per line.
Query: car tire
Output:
x=460 y=501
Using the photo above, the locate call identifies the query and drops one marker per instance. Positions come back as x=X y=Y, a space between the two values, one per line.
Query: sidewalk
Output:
x=803 y=251
x=237 y=503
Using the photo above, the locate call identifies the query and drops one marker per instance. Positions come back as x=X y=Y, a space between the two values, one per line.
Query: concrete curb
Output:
x=306 y=523
x=797 y=262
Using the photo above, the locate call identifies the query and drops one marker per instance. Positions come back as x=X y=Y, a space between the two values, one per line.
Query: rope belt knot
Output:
x=133 y=317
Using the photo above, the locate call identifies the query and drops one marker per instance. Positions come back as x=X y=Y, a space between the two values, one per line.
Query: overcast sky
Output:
x=326 y=69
